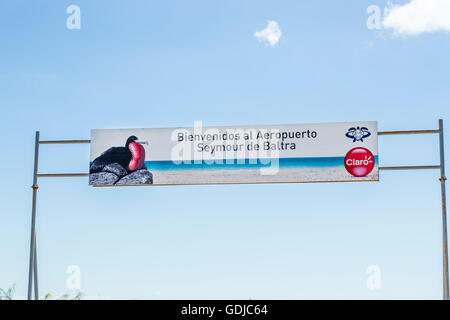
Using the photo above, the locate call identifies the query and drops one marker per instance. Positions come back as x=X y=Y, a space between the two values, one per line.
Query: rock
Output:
x=102 y=178
x=142 y=176
x=115 y=168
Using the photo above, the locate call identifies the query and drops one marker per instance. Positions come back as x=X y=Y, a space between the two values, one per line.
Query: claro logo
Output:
x=359 y=162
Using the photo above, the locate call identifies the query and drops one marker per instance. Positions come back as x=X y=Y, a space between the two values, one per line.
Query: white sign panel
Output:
x=323 y=152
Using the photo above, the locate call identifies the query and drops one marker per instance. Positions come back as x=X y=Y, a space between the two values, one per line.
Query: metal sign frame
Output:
x=32 y=272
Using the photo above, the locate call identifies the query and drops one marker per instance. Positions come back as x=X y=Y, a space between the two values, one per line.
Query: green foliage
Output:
x=8 y=294
x=66 y=296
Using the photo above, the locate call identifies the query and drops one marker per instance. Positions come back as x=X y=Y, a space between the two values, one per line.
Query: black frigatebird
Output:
x=131 y=157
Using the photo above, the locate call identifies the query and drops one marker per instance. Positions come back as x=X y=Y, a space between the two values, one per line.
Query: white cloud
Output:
x=417 y=17
x=271 y=34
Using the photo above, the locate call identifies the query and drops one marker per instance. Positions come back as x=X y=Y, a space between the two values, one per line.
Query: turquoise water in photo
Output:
x=320 y=162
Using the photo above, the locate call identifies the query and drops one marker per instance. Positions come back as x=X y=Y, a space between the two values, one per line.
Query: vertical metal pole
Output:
x=33 y=220
x=444 y=211
x=35 y=273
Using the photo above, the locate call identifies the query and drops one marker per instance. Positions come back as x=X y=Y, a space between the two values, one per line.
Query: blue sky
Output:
x=169 y=63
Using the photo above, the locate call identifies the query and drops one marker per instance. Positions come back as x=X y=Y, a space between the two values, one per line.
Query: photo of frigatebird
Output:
x=131 y=157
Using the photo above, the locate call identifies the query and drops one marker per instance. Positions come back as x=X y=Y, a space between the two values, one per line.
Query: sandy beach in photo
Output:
x=168 y=177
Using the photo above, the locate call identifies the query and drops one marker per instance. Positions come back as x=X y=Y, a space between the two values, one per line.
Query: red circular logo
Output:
x=359 y=162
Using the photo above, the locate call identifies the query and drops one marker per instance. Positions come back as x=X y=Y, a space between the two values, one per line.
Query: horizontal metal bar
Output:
x=381 y=133
x=64 y=141
x=411 y=168
x=74 y=175
x=391 y=133
x=62 y=175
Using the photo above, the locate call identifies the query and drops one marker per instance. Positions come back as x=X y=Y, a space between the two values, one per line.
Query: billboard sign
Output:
x=323 y=152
